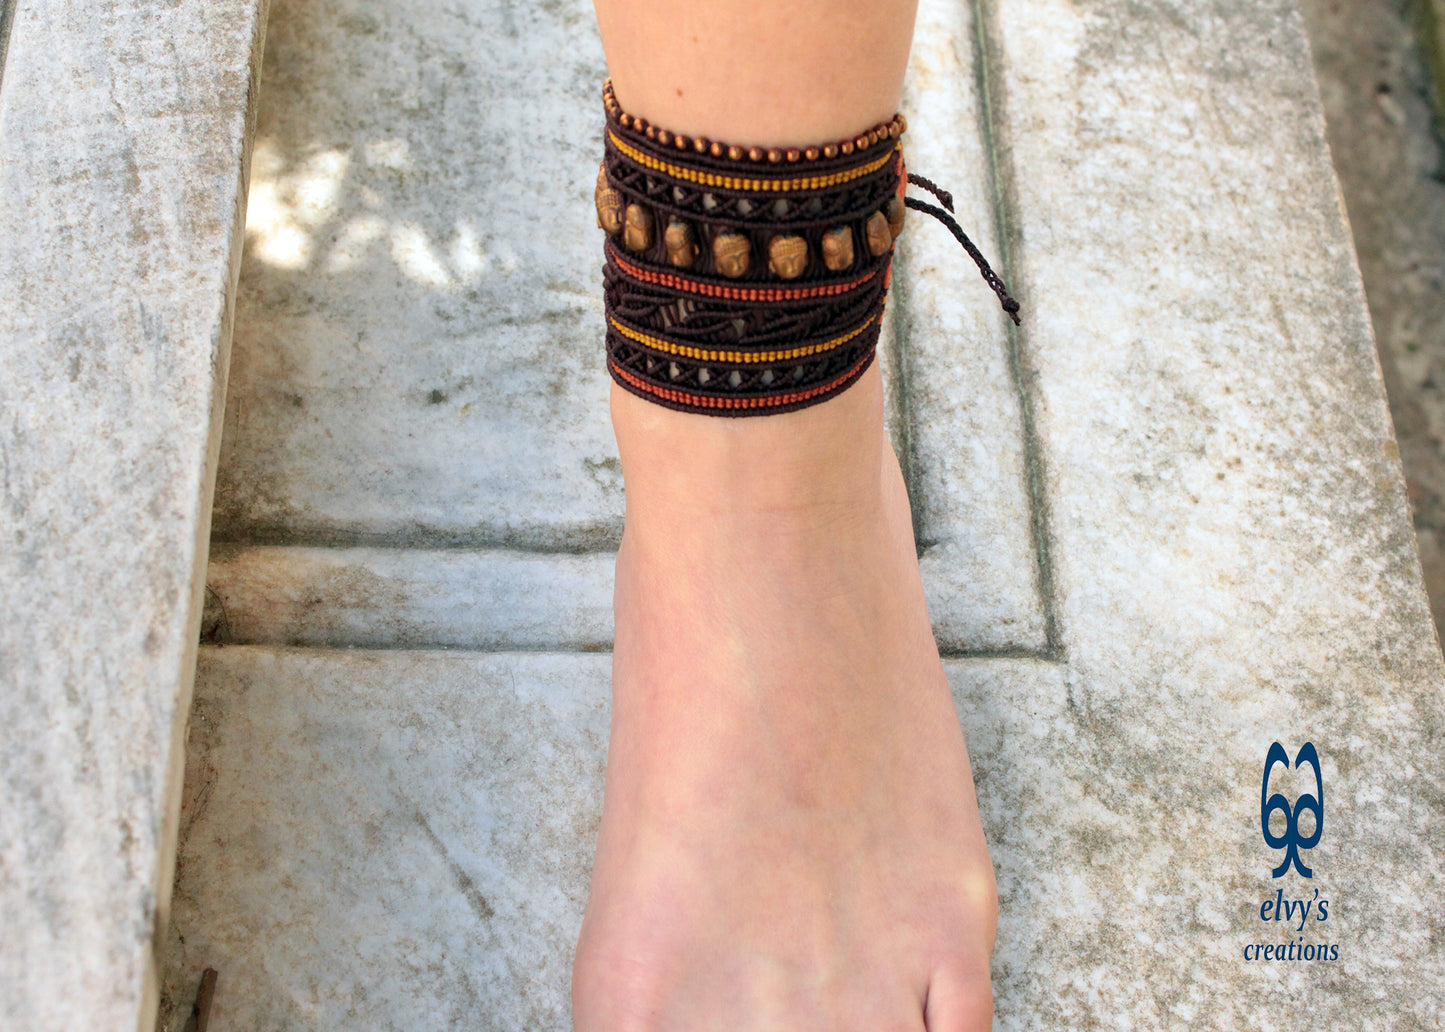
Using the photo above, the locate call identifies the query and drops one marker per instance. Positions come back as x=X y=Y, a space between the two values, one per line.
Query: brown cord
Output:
x=740 y=281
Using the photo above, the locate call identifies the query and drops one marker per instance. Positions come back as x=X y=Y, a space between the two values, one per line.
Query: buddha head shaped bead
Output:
x=787 y=256
x=880 y=237
x=681 y=243
x=895 y=209
x=637 y=228
x=838 y=249
x=609 y=204
x=731 y=253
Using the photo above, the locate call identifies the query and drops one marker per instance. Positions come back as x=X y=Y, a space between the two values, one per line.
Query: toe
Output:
x=960 y=998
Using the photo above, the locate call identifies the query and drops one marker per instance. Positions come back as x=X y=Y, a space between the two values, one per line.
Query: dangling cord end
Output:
x=946 y=199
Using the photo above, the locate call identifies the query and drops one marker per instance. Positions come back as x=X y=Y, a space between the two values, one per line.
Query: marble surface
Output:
x=1233 y=551
x=402 y=840
x=386 y=840
x=409 y=598
x=1376 y=91
x=419 y=359
x=123 y=131
x=1219 y=535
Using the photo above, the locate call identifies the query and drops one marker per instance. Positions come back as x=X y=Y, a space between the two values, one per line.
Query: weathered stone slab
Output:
x=419 y=359
x=963 y=435
x=1229 y=558
x=123 y=132
x=409 y=598
x=1233 y=557
x=1388 y=152
x=402 y=840
x=387 y=840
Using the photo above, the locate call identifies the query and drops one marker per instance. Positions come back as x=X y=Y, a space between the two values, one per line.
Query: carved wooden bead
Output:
x=609 y=204
x=838 y=249
x=895 y=209
x=880 y=237
x=787 y=256
x=637 y=228
x=731 y=253
x=681 y=243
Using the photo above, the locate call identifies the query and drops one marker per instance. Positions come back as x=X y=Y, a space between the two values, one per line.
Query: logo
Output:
x=1291 y=841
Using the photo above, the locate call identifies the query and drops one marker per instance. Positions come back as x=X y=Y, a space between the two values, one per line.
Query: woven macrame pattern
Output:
x=741 y=284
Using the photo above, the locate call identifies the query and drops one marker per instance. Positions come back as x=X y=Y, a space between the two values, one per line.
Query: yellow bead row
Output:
x=740 y=183
x=737 y=356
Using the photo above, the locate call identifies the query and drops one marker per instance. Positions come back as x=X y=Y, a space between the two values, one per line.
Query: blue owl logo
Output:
x=1291 y=841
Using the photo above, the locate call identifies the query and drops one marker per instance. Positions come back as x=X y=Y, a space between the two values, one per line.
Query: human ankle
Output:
x=813 y=467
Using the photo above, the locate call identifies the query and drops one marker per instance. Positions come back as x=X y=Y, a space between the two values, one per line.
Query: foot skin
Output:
x=790 y=840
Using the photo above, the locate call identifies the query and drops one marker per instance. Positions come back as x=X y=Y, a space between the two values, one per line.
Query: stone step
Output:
x=123 y=155
x=505 y=599
x=1212 y=521
x=402 y=840
x=418 y=360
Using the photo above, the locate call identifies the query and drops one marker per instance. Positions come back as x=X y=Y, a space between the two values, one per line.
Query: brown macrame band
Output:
x=748 y=281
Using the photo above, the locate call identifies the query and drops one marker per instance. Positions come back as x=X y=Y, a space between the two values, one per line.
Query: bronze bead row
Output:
x=889 y=130
x=732 y=252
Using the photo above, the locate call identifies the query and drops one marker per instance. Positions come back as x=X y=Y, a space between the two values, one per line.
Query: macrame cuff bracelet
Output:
x=748 y=281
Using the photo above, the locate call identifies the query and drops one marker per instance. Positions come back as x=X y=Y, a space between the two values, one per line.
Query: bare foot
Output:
x=790 y=840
